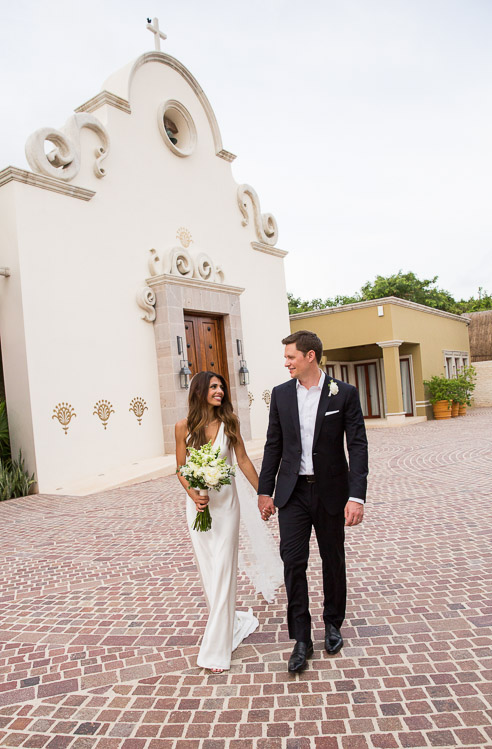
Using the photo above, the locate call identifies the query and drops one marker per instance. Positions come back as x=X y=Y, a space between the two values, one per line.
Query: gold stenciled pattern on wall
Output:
x=184 y=236
x=103 y=408
x=64 y=412
x=138 y=406
x=267 y=396
x=251 y=398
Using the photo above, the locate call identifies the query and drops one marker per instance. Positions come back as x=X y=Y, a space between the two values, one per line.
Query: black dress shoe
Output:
x=333 y=639
x=298 y=660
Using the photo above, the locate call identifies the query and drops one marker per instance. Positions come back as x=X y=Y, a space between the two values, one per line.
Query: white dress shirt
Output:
x=307 y=404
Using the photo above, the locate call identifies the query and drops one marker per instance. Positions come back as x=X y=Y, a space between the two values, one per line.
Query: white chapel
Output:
x=130 y=260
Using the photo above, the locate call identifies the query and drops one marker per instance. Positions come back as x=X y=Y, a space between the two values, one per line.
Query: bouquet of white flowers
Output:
x=204 y=470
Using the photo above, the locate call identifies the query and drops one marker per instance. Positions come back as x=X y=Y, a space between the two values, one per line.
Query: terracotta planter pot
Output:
x=442 y=410
x=454 y=409
x=462 y=410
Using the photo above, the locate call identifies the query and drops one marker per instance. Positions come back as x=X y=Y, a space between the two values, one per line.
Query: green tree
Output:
x=409 y=286
x=296 y=304
x=404 y=286
x=482 y=302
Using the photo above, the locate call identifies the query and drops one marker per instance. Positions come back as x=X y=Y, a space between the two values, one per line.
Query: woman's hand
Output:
x=200 y=501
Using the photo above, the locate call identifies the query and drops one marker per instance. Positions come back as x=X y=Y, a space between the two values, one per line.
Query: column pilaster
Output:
x=392 y=379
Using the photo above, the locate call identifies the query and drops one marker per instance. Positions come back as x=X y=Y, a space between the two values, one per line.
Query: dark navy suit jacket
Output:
x=336 y=479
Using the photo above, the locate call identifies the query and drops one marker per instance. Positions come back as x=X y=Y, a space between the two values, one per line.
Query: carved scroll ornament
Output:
x=63 y=162
x=146 y=301
x=265 y=223
x=204 y=267
x=154 y=262
x=178 y=261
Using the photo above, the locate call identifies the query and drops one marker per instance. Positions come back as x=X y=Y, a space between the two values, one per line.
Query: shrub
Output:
x=440 y=389
x=4 y=434
x=14 y=479
x=467 y=379
x=456 y=392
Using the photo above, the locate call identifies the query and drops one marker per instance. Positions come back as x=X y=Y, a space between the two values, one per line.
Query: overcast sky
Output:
x=365 y=126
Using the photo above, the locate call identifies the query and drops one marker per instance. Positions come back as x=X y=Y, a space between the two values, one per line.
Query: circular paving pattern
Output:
x=101 y=613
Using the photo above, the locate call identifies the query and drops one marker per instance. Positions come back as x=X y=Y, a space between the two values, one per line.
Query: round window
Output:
x=177 y=128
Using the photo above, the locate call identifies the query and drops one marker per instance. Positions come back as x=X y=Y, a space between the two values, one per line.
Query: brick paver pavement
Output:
x=101 y=612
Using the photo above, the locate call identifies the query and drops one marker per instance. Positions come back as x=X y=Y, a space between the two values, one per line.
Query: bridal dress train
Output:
x=216 y=553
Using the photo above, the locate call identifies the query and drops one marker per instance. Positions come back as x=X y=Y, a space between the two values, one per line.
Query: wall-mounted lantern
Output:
x=243 y=368
x=184 y=372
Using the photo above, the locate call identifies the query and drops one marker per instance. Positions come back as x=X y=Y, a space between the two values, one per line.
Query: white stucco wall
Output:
x=12 y=333
x=77 y=265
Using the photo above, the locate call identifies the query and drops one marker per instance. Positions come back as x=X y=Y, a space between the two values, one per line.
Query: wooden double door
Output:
x=205 y=344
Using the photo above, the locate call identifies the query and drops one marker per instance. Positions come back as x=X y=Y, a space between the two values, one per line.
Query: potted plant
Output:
x=440 y=395
x=466 y=378
x=456 y=393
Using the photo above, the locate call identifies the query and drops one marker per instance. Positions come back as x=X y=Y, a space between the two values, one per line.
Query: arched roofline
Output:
x=121 y=87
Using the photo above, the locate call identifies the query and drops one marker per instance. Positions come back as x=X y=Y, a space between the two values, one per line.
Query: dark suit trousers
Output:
x=296 y=519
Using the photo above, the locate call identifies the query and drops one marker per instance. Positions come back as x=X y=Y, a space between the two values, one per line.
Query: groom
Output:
x=304 y=463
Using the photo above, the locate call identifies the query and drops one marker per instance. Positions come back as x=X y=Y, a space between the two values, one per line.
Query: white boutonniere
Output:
x=333 y=388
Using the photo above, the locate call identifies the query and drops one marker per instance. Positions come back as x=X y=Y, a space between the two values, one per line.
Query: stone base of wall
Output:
x=482 y=396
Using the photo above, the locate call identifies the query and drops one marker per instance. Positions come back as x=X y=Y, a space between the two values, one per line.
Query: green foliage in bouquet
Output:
x=203 y=520
x=204 y=471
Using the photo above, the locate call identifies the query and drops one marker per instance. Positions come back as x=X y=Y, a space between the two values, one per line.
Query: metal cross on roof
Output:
x=158 y=34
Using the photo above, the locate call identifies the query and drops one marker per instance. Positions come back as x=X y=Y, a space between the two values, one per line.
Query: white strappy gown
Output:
x=216 y=554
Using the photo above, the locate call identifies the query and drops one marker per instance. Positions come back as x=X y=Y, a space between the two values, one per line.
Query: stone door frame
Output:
x=173 y=296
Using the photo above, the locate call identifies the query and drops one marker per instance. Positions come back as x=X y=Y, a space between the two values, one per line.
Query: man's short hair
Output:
x=305 y=341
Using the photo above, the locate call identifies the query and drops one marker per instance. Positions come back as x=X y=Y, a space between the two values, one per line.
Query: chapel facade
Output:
x=132 y=260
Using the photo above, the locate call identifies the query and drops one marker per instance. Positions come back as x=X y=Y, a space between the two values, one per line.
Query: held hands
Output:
x=200 y=501
x=265 y=506
x=354 y=513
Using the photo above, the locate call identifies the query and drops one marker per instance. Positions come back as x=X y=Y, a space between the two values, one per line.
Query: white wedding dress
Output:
x=216 y=554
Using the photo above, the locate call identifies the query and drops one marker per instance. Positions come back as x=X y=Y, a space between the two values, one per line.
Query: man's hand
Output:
x=354 y=513
x=265 y=506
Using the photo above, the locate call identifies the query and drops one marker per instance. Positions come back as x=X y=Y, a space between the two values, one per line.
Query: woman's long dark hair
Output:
x=198 y=413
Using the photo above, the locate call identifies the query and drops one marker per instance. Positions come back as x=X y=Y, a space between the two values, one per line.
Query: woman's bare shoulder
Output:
x=181 y=427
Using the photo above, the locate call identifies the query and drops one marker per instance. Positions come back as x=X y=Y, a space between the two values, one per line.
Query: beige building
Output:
x=387 y=348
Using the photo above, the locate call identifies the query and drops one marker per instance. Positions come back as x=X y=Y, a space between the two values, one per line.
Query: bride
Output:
x=211 y=418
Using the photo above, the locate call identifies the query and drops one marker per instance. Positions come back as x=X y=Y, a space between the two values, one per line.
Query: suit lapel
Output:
x=322 y=407
x=295 y=409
